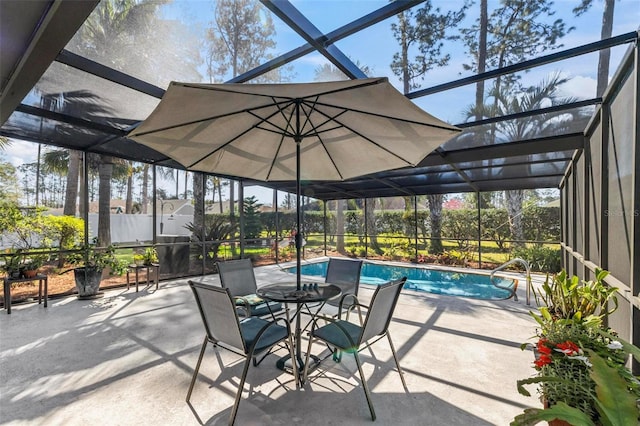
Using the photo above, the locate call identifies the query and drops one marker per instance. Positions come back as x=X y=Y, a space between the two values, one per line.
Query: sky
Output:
x=328 y=15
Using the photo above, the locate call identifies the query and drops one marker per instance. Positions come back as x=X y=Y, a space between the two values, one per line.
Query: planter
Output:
x=555 y=422
x=88 y=282
x=29 y=273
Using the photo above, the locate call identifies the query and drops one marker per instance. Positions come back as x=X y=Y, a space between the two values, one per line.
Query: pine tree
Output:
x=252 y=224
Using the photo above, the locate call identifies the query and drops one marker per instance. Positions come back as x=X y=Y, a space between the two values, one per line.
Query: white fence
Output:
x=131 y=228
x=125 y=229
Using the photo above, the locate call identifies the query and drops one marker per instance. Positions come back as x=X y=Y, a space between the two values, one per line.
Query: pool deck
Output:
x=127 y=359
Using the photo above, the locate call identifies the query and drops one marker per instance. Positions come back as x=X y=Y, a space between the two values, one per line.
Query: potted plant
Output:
x=581 y=373
x=138 y=259
x=150 y=256
x=583 y=379
x=31 y=265
x=90 y=264
x=13 y=264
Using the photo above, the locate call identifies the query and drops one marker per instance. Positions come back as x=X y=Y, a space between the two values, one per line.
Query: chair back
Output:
x=238 y=276
x=381 y=309
x=345 y=273
x=218 y=312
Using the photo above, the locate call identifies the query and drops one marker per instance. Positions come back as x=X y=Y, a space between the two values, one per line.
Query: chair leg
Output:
x=195 y=373
x=294 y=362
x=395 y=357
x=234 y=411
x=365 y=387
x=306 y=360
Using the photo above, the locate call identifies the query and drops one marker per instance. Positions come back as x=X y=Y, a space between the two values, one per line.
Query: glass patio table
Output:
x=287 y=292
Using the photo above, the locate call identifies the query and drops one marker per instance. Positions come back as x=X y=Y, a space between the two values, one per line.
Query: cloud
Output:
x=579 y=87
x=21 y=152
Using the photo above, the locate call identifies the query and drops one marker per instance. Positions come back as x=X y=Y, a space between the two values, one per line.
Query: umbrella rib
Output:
x=214 y=117
x=366 y=138
x=230 y=141
x=328 y=120
x=284 y=130
x=317 y=134
x=288 y=121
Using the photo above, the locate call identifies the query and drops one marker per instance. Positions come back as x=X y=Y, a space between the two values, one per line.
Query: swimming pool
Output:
x=436 y=281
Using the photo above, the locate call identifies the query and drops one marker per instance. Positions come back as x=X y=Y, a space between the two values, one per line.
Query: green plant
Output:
x=13 y=262
x=150 y=256
x=569 y=298
x=581 y=365
x=583 y=378
x=34 y=262
x=138 y=259
x=98 y=258
x=216 y=230
x=540 y=258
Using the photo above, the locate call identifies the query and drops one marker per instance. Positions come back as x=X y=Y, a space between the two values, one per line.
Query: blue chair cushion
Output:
x=335 y=333
x=252 y=325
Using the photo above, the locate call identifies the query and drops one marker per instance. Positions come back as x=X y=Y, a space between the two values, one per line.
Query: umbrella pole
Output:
x=298 y=219
x=298 y=362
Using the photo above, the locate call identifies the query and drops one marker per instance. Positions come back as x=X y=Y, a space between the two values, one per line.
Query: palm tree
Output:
x=505 y=101
x=4 y=143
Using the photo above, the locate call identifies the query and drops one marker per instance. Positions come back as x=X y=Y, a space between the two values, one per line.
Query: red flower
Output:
x=568 y=348
x=542 y=360
x=542 y=347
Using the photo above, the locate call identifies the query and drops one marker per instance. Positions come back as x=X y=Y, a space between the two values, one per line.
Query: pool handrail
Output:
x=512 y=290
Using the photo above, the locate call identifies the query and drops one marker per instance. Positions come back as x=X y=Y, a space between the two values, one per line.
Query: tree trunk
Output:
x=198 y=208
x=177 y=184
x=482 y=57
x=219 y=184
x=232 y=212
x=128 y=205
x=105 y=171
x=435 y=217
x=372 y=231
x=145 y=188
x=71 y=193
x=186 y=184
x=404 y=52
x=605 y=54
x=340 y=226
x=514 y=200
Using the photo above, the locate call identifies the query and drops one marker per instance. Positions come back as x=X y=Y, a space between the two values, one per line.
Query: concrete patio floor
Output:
x=127 y=359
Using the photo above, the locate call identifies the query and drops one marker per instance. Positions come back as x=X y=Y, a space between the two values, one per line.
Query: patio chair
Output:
x=238 y=277
x=345 y=273
x=247 y=337
x=349 y=337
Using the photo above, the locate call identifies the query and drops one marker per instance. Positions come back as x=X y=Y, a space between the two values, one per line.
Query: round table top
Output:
x=287 y=292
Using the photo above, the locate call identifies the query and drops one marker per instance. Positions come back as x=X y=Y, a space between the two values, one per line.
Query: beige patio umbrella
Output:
x=284 y=132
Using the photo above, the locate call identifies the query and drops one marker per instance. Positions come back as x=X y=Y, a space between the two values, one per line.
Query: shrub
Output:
x=540 y=258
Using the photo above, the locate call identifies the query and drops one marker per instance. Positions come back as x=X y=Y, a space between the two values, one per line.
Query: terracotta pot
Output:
x=30 y=273
x=557 y=422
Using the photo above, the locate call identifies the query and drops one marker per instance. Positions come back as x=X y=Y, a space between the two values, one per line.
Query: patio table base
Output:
x=284 y=363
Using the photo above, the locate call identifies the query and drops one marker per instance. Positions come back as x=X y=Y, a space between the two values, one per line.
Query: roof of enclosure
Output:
x=103 y=100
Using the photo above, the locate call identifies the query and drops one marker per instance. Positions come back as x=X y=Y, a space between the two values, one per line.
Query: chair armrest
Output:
x=244 y=304
x=263 y=330
x=336 y=322
x=355 y=305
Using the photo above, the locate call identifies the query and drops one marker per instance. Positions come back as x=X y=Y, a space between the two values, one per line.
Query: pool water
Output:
x=452 y=283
